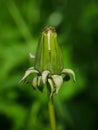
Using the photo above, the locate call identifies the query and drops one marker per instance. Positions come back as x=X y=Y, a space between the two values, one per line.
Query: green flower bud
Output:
x=49 y=56
x=49 y=67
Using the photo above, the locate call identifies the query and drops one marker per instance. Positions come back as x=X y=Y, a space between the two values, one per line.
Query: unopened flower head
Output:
x=49 y=56
x=48 y=67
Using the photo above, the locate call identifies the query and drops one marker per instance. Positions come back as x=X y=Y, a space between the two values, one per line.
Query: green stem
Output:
x=52 y=114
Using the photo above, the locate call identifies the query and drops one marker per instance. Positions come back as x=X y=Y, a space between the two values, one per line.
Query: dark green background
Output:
x=76 y=22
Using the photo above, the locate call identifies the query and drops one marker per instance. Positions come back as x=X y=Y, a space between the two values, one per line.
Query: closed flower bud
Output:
x=48 y=68
x=48 y=56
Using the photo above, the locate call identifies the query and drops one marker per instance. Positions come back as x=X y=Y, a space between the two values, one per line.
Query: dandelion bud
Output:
x=48 y=56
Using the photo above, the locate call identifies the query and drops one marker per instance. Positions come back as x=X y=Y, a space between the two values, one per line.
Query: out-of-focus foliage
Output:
x=77 y=25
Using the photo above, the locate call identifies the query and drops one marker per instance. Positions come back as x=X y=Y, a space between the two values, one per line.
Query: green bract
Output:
x=48 y=67
x=48 y=56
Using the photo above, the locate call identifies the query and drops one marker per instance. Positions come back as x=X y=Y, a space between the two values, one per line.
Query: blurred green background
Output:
x=76 y=22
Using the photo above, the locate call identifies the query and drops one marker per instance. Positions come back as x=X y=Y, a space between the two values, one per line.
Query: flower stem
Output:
x=52 y=114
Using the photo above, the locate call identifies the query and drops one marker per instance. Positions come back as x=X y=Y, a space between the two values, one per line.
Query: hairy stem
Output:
x=52 y=114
